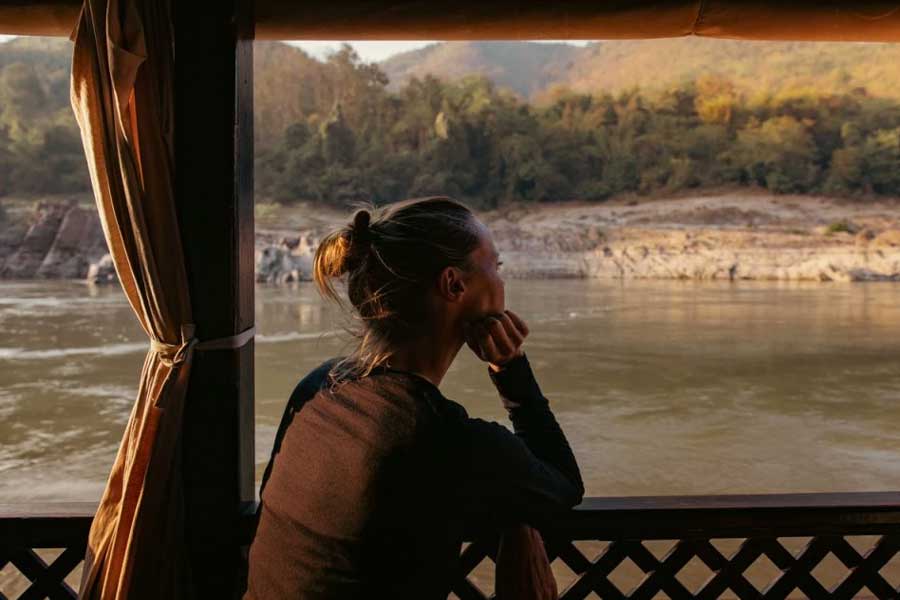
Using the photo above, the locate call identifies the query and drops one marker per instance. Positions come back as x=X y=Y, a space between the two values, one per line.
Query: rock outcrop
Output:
x=724 y=238
x=60 y=243
x=291 y=259
x=730 y=237
x=78 y=242
x=103 y=271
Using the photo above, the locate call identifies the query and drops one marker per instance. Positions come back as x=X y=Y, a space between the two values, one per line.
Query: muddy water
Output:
x=663 y=387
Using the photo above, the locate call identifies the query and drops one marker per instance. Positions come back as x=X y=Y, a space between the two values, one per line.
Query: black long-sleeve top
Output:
x=371 y=481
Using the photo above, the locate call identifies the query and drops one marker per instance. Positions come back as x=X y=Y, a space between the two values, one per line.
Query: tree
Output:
x=338 y=140
x=778 y=154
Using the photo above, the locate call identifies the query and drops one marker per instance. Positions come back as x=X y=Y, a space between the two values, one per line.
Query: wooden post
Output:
x=214 y=194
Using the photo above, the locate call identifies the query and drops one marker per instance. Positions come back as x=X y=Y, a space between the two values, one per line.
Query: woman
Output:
x=374 y=472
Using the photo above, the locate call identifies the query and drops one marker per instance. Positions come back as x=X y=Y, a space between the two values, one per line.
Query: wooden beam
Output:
x=837 y=20
x=460 y=20
x=42 y=17
x=214 y=197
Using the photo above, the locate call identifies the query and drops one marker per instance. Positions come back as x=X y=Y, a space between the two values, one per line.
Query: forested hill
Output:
x=290 y=84
x=532 y=69
x=646 y=117
x=40 y=147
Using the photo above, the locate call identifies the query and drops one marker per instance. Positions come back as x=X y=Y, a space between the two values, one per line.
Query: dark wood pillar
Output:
x=214 y=193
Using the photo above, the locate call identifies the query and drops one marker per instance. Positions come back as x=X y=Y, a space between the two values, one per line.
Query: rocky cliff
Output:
x=60 y=240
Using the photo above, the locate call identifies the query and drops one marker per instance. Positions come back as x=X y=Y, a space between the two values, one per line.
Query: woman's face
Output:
x=484 y=285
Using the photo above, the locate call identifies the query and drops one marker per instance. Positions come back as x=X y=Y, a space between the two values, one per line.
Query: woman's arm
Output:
x=508 y=477
x=533 y=421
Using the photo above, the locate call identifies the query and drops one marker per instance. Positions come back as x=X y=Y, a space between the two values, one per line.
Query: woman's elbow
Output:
x=571 y=494
x=576 y=495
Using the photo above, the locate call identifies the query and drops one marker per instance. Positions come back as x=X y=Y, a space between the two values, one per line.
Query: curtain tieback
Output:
x=174 y=354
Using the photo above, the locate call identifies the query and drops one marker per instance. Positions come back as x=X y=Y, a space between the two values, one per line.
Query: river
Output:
x=663 y=387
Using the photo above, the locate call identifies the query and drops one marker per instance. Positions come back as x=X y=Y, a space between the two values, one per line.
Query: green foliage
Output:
x=334 y=132
x=40 y=146
x=777 y=154
x=484 y=145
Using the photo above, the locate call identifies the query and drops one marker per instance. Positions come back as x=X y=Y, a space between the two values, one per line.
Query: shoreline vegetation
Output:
x=356 y=139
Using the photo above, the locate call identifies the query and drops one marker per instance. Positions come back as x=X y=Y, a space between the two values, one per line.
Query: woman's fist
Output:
x=496 y=339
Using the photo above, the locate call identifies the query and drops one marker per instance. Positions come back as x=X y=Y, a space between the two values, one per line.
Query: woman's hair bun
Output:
x=361 y=220
x=360 y=234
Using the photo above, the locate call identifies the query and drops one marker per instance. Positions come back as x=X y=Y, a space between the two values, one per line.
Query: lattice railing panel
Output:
x=42 y=573
x=830 y=566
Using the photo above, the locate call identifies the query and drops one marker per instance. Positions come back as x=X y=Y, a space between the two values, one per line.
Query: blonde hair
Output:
x=389 y=257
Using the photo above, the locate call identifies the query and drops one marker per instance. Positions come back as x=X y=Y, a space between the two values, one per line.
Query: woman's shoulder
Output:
x=397 y=387
x=313 y=381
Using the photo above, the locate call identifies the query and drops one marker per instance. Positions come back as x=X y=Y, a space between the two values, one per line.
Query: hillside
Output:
x=527 y=68
x=286 y=81
x=788 y=117
x=291 y=85
x=50 y=58
x=532 y=69
x=45 y=52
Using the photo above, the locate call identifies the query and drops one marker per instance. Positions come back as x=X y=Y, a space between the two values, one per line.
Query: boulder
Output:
x=103 y=271
x=284 y=263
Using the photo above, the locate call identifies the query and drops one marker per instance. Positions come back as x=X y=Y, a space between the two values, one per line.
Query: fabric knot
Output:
x=173 y=354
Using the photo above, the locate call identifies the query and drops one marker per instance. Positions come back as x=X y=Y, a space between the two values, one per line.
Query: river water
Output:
x=662 y=387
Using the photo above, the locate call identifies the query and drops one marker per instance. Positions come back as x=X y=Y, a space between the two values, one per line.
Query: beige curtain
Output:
x=122 y=74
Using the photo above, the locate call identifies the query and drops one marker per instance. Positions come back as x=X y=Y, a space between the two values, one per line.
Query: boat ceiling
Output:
x=835 y=20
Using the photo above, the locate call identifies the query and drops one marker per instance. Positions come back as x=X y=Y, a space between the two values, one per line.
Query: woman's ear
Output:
x=451 y=284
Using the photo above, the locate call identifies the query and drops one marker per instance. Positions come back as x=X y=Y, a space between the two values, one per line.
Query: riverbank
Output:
x=730 y=236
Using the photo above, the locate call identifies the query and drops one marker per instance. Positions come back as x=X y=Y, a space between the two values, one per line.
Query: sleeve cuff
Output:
x=516 y=383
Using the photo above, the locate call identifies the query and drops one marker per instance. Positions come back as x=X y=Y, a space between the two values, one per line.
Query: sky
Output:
x=377 y=51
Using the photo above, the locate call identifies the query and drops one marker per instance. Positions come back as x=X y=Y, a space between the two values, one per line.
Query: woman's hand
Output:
x=497 y=339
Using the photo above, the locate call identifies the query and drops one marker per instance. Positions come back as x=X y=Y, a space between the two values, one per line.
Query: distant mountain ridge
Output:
x=534 y=69
x=525 y=67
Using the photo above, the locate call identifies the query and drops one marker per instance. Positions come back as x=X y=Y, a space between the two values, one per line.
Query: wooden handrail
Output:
x=647 y=517
x=887 y=501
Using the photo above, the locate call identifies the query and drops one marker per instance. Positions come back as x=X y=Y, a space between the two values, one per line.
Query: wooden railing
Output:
x=759 y=546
